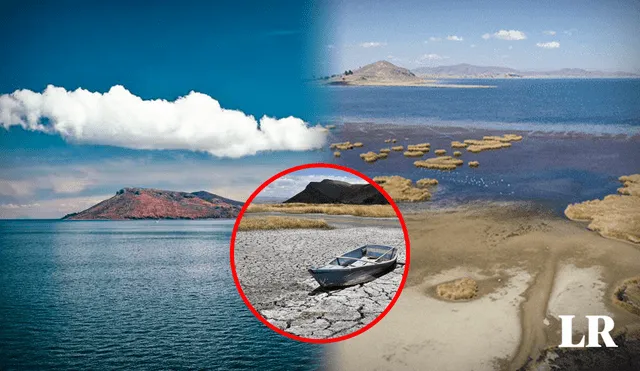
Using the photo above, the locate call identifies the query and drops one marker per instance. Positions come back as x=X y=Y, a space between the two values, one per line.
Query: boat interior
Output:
x=370 y=254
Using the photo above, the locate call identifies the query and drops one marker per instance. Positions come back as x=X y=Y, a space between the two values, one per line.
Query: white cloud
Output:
x=511 y=35
x=432 y=57
x=195 y=122
x=433 y=38
x=372 y=44
x=454 y=38
x=290 y=185
x=54 y=208
x=549 y=32
x=549 y=45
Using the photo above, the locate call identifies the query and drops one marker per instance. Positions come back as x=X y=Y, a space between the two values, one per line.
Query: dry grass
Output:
x=456 y=144
x=440 y=163
x=420 y=147
x=402 y=189
x=440 y=152
x=372 y=157
x=426 y=182
x=397 y=148
x=343 y=146
x=281 y=222
x=457 y=153
x=337 y=153
x=474 y=164
x=476 y=146
x=462 y=289
x=615 y=216
x=504 y=138
x=414 y=154
x=374 y=211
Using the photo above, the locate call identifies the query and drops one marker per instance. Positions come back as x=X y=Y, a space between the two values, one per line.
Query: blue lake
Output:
x=131 y=294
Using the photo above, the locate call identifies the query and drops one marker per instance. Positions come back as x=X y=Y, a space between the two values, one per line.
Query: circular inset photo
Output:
x=320 y=253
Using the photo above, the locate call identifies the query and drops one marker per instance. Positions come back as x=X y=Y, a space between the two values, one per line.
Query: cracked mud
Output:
x=272 y=269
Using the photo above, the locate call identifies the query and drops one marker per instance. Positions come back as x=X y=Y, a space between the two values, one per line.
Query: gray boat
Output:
x=361 y=265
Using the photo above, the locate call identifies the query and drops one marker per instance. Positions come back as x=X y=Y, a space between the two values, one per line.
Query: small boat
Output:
x=361 y=265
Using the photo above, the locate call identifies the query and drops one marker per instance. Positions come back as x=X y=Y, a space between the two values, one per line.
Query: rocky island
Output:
x=148 y=203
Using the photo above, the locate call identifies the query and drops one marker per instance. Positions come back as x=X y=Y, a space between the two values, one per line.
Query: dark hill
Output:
x=336 y=192
x=146 y=203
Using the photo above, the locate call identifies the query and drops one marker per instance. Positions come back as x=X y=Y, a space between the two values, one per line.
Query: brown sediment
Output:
x=457 y=153
x=427 y=182
x=474 y=164
x=336 y=153
x=413 y=154
x=486 y=238
x=440 y=163
x=627 y=295
x=402 y=189
x=615 y=216
x=461 y=289
x=397 y=148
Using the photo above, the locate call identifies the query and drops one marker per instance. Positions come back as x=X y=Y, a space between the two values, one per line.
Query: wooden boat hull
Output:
x=331 y=276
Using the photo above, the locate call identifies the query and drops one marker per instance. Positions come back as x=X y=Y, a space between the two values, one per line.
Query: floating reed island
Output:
x=615 y=216
x=440 y=152
x=426 y=182
x=343 y=146
x=402 y=189
x=474 y=164
x=439 y=163
x=372 y=157
x=337 y=154
x=413 y=154
x=420 y=147
x=397 y=148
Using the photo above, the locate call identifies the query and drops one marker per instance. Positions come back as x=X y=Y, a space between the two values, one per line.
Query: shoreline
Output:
x=557 y=255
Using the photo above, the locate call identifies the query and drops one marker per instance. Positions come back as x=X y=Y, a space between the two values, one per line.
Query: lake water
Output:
x=131 y=294
x=582 y=105
x=579 y=136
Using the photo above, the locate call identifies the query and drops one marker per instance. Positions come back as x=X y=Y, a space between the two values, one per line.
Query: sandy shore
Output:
x=271 y=267
x=530 y=265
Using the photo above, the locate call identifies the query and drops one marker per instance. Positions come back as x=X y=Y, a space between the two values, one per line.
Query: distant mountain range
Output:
x=471 y=71
x=147 y=203
x=336 y=192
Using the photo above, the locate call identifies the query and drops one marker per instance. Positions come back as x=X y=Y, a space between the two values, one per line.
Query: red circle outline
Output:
x=237 y=281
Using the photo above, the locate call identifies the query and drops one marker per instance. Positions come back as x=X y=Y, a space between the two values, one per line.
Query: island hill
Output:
x=384 y=73
x=147 y=203
x=331 y=191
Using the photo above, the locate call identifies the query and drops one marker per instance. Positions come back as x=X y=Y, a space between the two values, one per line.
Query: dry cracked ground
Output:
x=272 y=269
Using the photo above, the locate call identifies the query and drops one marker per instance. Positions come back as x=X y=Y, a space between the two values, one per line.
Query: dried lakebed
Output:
x=272 y=270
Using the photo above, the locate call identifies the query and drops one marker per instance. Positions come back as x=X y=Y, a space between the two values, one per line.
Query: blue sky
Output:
x=537 y=35
x=247 y=56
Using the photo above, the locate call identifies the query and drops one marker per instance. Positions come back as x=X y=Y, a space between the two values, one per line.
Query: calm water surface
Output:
x=117 y=295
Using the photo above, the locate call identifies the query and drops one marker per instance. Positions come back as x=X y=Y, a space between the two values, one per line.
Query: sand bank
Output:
x=541 y=260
